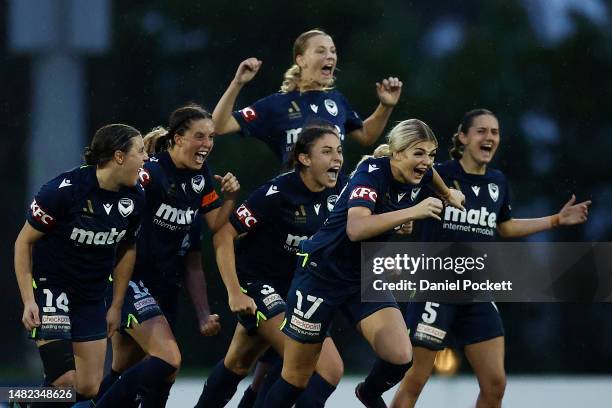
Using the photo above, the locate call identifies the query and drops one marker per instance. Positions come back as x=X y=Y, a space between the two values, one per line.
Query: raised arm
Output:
x=388 y=92
x=570 y=214
x=222 y=115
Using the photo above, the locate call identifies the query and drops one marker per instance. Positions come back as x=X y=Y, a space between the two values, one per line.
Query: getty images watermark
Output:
x=505 y=272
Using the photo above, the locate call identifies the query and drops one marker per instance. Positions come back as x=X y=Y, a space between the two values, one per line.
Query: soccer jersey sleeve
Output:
x=505 y=211
x=137 y=216
x=254 y=120
x=365 y=186
x=50 y=203
x=353 y=121
x=210 y=198
x=256 y=210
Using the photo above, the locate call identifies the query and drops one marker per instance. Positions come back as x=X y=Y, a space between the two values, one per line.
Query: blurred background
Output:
x=543 y=66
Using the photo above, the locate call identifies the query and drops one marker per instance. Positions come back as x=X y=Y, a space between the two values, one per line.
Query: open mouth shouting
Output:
x=419 y=172
x=332 y=173
x=327 y=71
x=201 y=156
x=486 y=149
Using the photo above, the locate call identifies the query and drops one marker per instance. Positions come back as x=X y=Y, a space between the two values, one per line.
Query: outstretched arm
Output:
x=222 y=115
x=570 y=214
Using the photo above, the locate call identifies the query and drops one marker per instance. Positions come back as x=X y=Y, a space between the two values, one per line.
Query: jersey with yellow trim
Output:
x=278 y=118
x=83 y=225
x=276 y=218
x=331 y=254
x=174 y=199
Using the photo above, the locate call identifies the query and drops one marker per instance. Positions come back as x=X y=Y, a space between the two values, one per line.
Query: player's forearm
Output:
x=122 y=275
x=375 y=124
x=362 y=227
x=223 y=243
x=23 y=270
x=223 y=111
x=222 y=215
x=195 y=282
x=439 y=185
x=516 y=228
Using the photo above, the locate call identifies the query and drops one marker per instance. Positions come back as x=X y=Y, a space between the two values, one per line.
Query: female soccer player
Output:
x=80 y=226
x=476 y=327
x=328 y=277
x=306 y=93
x=179 y=187
x=272 y=222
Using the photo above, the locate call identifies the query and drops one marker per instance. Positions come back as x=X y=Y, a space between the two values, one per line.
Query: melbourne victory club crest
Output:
x=331 y=201
x=331 y=107
x=494 y=192
x=197 y=183
x=414 y=193
x=126 y=206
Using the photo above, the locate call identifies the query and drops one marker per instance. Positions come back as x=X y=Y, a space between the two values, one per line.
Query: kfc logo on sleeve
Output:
x=40 y=215
x=249 y=114
x=144 y=176
x=363 y=193
x=246 y=216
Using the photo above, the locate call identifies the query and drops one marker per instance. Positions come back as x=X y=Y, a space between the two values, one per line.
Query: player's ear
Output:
x=119 y=157
x=299 y=60
x=462 y=138
x=304 y=159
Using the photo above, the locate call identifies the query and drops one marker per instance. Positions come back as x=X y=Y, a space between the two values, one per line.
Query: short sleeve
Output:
x=136 y=218
x=256 y=210
x=353 y=121
x=505 y=211
x=210 y=198
x=50 y=203
x=255 y=119
x=365 y=186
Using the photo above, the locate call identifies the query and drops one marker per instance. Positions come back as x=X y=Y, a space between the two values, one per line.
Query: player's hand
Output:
x=247 y=70
x=30 y=317
x=572 y=214
x=455 y=198
x=389 y=91
x=242 y=304
x=113 y=320
x=210 y=325
x=229 y=185
x=428 y=208
x=405 y=228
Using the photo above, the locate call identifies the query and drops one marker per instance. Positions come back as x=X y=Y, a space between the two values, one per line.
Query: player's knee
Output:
x=398 y=355
x=171 y=355
x=65 y=380
x=237 y=366
x=297 y=378
x=88 y=387
x=494 y=387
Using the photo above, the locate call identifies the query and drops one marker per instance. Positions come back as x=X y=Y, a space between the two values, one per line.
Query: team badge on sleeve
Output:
x=245 y=216
x=126 y=206
x=197 y=183
x=40 y=215
x=363 y=193
x=331 y=201
x=249 y=114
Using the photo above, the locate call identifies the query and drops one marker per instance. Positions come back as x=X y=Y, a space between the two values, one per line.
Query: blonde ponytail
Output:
x=291 y=79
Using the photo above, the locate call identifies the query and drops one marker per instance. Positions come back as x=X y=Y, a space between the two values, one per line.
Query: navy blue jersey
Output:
x=278 y=119
x=83 y=224
x=332 y=256
x=277 y=217
x=192 y=241
x=174 y=198
x=487 y=203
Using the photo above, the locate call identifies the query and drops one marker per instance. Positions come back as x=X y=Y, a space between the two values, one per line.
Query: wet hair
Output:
x=456 y=150
x=160 y=138
x=306 y=140
x=403 y=135
x=106 y=141
x=293 y=75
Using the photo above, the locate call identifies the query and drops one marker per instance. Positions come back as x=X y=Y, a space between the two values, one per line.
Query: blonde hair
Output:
x=293 y=76
x=403 y=135
x=156 y=140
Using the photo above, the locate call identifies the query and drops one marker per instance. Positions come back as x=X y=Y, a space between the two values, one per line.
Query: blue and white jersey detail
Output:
x=278 y=119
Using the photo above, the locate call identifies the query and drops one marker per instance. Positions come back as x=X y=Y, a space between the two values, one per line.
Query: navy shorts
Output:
x=312 y=303
x=435 y=325
x=138 y=305
x=268 y=297
x=65 y=316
